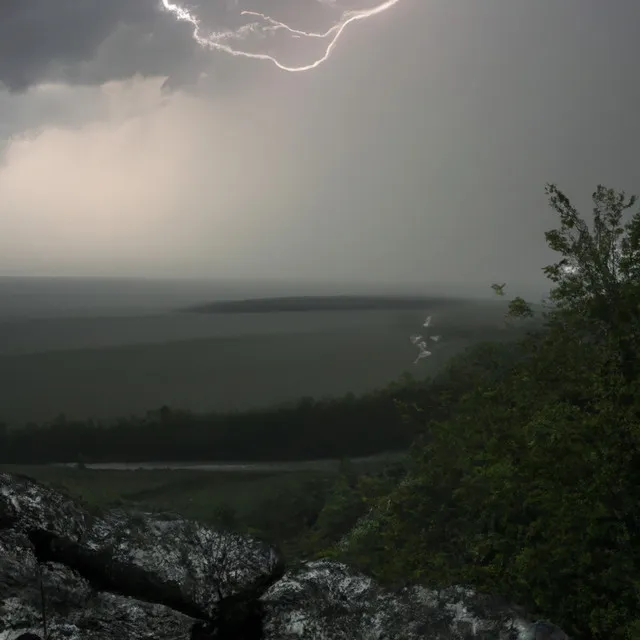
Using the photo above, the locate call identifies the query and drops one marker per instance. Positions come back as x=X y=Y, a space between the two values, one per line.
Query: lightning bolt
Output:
x=216 y=41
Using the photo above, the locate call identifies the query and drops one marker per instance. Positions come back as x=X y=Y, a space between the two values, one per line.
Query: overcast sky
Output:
x=418 y=152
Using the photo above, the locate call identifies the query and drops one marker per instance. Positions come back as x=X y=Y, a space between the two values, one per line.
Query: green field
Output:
x=316 y=356
x=195 y=494
x=279 y=506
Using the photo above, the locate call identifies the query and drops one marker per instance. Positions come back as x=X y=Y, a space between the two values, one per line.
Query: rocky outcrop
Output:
x=325 y=599
x=171 y=560
x=73 y=609
x=139 y=560
x=26 y=505
x=138 y=576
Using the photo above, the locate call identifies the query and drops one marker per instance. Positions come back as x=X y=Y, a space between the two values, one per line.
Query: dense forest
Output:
x=308 y=429
x=387 y=419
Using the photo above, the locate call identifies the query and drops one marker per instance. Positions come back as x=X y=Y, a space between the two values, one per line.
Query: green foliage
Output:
x=290 y=508
x=529 y=485
x=224 y=516
x=595 y=264
x=519 y=308
x=531 y=491
x=499 y=288
x=341 y=510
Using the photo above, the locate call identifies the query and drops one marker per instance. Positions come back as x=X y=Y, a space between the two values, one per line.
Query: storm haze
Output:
x=417 y=153
x=288 y=283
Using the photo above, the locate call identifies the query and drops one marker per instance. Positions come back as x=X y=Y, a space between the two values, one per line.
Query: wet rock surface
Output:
x=171 y=560
x=26 y=505
x=73 y=610
x=137 y=576
x=325 y=599
x=162 y=573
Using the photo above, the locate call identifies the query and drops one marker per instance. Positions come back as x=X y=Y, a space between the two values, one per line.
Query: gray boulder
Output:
x=73 y=609
x=29 y=506
x=164 y=558
x=325 y=600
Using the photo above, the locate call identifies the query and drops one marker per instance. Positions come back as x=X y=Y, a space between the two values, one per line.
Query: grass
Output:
x=194 y=494
x=202 y=375
x=279 y=506
x=268 y=360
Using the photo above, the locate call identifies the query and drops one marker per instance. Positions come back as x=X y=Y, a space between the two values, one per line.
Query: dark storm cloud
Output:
x=94 y=41
x=417 y=154
x=89 y=41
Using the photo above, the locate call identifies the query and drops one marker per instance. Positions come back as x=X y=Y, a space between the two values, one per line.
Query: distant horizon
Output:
x=144 y=160
x=329 y=287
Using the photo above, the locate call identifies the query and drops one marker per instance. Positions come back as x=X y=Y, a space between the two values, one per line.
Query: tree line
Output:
x=306 y=429
x=386 y=419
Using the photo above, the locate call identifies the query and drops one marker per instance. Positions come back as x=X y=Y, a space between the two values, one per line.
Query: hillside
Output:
x=329 y=303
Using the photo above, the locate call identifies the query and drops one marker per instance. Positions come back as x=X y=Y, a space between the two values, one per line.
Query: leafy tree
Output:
x=529 y=486
x=597 y=277
x=499 y=288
